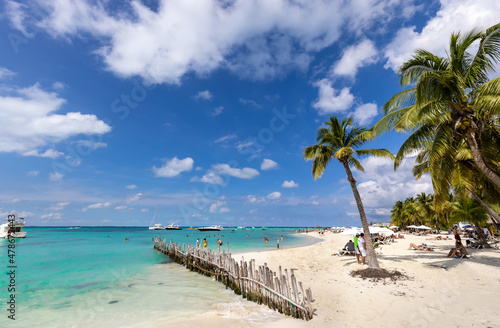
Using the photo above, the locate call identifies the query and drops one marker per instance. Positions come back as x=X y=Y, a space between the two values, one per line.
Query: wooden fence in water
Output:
x=255 y=283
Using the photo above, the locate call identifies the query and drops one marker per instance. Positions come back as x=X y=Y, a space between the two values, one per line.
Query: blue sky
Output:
x=109 y=109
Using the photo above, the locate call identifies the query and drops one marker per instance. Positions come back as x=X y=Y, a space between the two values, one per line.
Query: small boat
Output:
x=211 y=228
x=172 y=227
x=13 y=228
x=157 y=226
x=191 y=228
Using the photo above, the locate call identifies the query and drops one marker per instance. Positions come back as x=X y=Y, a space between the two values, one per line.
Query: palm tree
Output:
x=452 y=101
x=397 y=214
x=474 y=213
x=410 y=210
x=425 y=206
x=341 y=142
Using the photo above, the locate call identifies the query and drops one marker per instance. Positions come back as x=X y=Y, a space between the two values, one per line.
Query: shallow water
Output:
x=91 y=277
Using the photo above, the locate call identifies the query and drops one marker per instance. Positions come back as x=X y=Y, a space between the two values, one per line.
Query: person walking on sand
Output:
x=278 y=245
x=361 y=245
x=356 y=247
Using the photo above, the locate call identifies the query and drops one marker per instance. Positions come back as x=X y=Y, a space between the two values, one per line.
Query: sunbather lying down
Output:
x=437 y=238
x=422 y=247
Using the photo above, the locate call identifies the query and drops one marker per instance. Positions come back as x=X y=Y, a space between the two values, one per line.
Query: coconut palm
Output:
x=410 y=212
x=397 y=214
x=472 y=212
x=452 y=101
x=341 y=141
x=425 y=207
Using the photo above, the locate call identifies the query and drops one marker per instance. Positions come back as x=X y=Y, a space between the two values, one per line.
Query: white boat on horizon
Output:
x=172 y=226
x=156 y=226
x=13 y=229
x=211 y=228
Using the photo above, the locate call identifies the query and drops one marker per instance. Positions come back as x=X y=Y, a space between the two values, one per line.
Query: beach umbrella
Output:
x=412 y=226
x=351 y=232
x=424 y=227
x=393 y=227
x=382 y=231
x=385 y=231
x=464 y=225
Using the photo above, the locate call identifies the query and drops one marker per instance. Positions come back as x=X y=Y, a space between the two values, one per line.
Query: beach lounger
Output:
x=348 y=251
x=473 y=244
x=378 y=250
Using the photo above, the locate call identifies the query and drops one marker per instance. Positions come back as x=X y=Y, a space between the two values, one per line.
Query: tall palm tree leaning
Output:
x=452 y=100
x=337 y=141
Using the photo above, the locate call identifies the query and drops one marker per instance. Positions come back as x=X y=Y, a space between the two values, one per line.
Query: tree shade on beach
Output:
x=340 y=140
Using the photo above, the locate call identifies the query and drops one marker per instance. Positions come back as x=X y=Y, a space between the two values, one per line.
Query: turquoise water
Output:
x=92 y=277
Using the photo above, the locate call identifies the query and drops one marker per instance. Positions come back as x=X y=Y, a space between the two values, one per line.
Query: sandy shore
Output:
x=440 y=292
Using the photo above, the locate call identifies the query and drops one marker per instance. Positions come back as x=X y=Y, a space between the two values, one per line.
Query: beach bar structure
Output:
x=259 y=284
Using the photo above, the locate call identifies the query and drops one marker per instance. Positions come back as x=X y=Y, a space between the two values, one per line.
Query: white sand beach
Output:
x=444 y=292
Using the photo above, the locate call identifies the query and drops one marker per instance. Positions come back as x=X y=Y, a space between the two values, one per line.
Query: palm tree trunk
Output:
x=495 y=217
x=370 y=251
x=478 y=159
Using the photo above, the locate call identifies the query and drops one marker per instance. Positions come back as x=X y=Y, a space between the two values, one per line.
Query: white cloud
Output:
x=90 y=145
x=244 y=173
x=58 y=86
x=52 y=216
x=144 y=210
x=250 y=102
x=96 y=206
x=274 y=195
x=4 y=73
x=365 y=113
x=453 y=16
x=59 y=206
x=216 y=207
x=331 y=100
x=121 y=207
x=254 y=199
x=254 y=39
x=224 y=210
x=268 y=164
x=134 y=198
x=225 y=138
x=174 y=167
x=32 y=173
x=354 y=57
x=131 y=187
x=244 y=145
x=380 y=186
x=23 y=214
x=28 y=121
x=56 y=176
x=217 y=111
x=204 y=95
x=209 y=177
x=49 y=153
x=289 y=184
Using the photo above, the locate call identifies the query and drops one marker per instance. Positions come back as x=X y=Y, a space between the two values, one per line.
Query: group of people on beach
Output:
x=458 y=250
x=360 y=247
